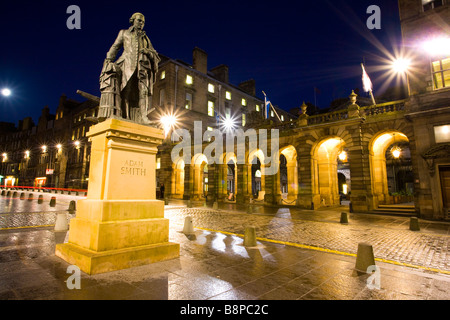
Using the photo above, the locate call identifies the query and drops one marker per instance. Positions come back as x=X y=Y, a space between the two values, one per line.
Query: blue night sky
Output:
x=288 y=47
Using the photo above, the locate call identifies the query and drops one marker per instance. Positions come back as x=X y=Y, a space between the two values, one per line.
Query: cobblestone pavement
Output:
x=390 y=237
x=21 y=213
x=217 y=266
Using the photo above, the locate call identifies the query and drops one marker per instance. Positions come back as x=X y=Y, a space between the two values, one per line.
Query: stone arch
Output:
x=289 y=153
x=378 y=145
x=229 y=162
x=198 y=166
x=177 y=179
x=256 y=178
x=324 y=155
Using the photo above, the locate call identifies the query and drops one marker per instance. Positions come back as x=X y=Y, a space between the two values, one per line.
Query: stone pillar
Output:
x=213 y=182
x=305 y=198
x=120 y=224
x=243 y=193
x=187 y=182
x=362 y=197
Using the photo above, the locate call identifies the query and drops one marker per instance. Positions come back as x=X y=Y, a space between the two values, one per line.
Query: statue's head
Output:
x=138 y=20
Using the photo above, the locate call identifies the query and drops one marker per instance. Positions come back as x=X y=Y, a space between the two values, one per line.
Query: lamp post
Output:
x=401 y=67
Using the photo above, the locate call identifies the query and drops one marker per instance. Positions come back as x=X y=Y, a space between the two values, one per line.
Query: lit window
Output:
x=158 y=163
x=163 y=74
x=209 y=129
x=188 y=103
x=243 y=119
x=244 y=102
x=228 y=95
x=211 y=108
x=441 y=73
x=282 y=118
x=189 y=79
x=431 y=4
x=272 y=114
x=257 y=108
x=210 y=88
x=442 y=133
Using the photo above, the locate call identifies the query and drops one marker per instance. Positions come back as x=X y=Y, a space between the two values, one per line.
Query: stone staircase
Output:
x=404 y=210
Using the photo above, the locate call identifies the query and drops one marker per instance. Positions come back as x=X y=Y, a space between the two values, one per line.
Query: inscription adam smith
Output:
x=133 y=168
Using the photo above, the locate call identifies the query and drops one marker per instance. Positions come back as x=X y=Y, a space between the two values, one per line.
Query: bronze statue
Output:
x=126 y=85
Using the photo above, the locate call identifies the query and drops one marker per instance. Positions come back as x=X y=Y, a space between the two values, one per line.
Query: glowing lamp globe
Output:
x=6 y=92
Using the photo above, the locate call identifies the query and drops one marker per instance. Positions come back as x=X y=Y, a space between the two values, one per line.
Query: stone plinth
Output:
x=120 y=224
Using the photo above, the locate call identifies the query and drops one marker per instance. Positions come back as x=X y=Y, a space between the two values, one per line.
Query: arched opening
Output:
x=228 y=177
x=330 y=158
x=256 y=177
x=231 y=177
x=199 y=169
x=287 y=177
x=256 y=180
x=177 y=183
x=391 y=168
x=283 y=175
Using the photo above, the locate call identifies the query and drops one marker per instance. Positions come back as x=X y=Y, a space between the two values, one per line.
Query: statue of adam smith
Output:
x=139 y=65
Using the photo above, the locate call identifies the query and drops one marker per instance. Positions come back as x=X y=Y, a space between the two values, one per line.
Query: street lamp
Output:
x=438 y=46
x=44 y=149
x=5 y=157
x=401 y=65
x=168 y=121
x=6 y=92
x=27 y=154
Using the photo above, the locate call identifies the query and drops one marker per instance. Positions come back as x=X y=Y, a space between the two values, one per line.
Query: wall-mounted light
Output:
x=396 y=150
x=4 y=157
x=27 y=154
x=44 y=149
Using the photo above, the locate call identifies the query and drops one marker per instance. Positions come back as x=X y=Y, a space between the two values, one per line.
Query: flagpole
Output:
x=373 y=99
x=265 y=105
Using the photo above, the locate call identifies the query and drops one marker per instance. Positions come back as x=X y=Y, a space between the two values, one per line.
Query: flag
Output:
x=367 y=84
x=266 y=107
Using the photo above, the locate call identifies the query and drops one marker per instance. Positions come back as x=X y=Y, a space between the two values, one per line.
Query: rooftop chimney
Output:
x=248 y=87
x=220 y=73
x=200 y=60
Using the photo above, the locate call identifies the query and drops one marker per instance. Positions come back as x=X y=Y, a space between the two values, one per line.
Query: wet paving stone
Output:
x=216 y=266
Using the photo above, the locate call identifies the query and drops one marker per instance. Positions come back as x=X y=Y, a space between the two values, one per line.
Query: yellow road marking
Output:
x=43 y=226
x=292 y=244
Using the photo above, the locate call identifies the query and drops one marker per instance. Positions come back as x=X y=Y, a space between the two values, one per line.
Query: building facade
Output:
x=393 y=152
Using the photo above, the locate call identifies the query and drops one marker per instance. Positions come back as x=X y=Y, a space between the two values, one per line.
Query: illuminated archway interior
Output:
x=287 y=176
x=325 y=168
x=177 y=185
x=387 y=150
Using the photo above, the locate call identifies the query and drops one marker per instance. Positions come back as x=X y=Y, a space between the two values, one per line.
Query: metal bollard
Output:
x=40 y=199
